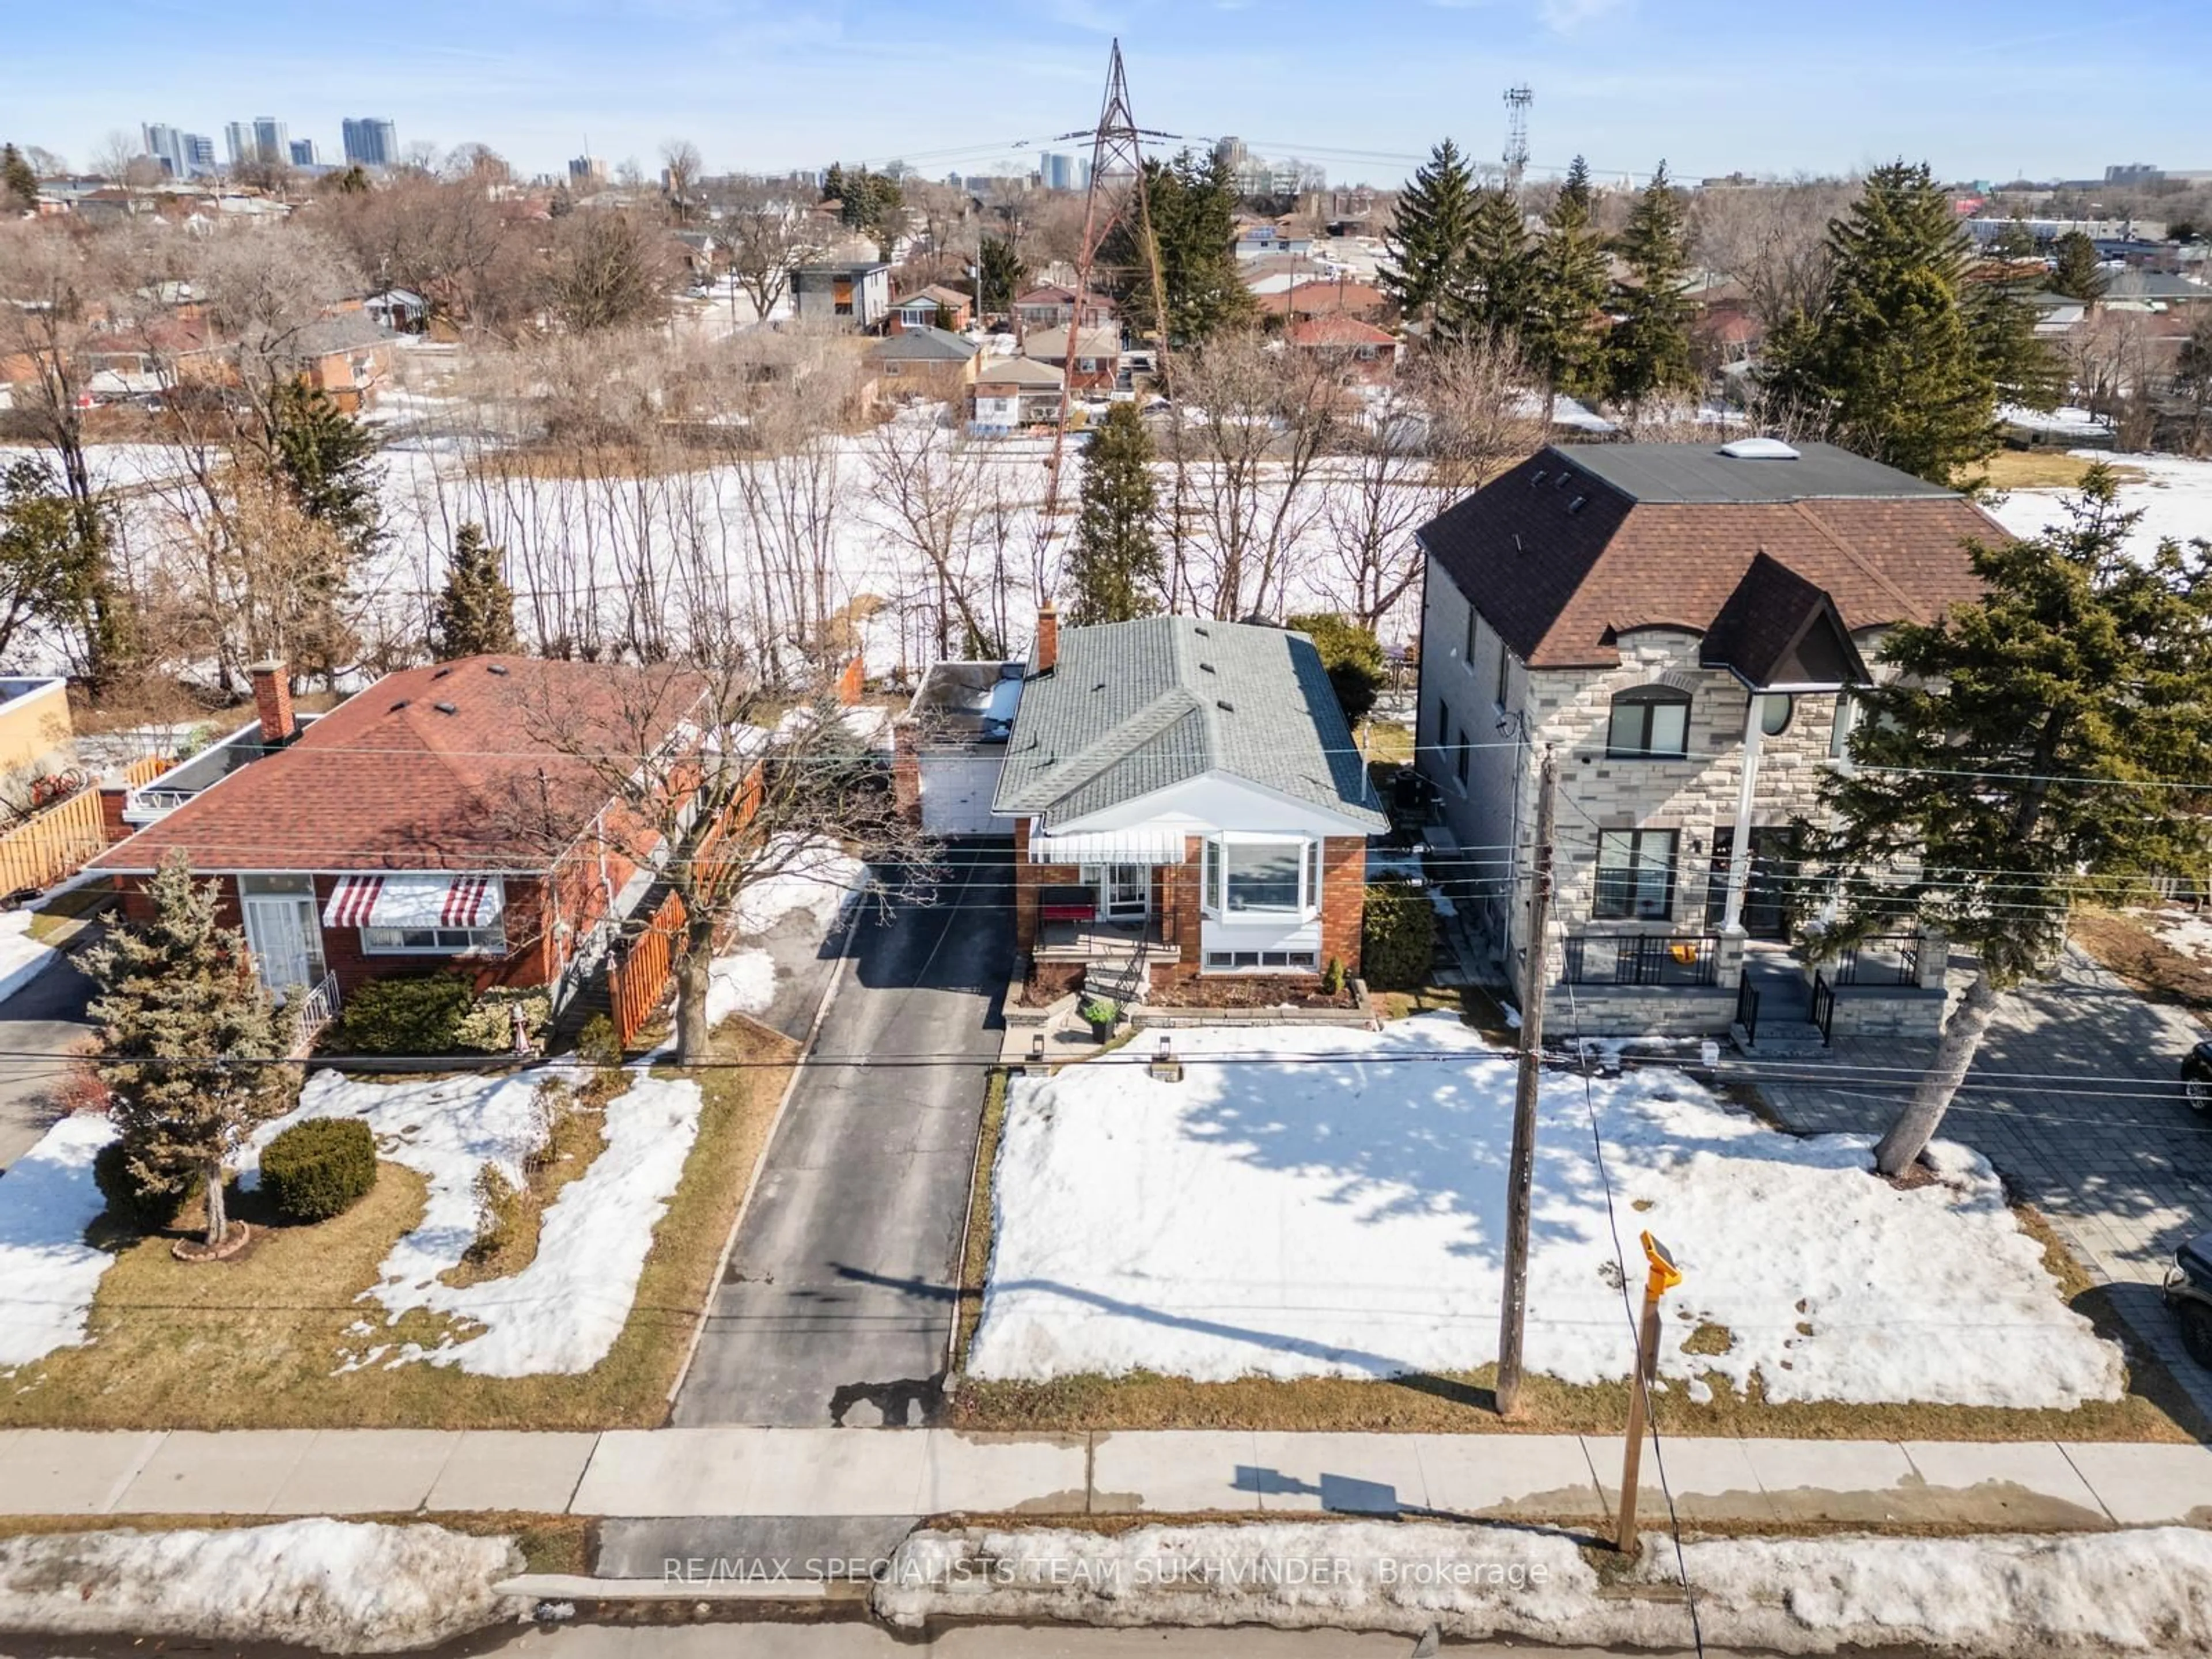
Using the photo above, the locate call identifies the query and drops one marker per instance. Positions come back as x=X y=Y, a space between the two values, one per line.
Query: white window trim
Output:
x=1214 y=858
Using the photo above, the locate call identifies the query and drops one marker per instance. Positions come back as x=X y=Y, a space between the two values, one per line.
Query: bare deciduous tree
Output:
x=1773 y=239
x=928 y=489
x=607 y=270
x=768 y=231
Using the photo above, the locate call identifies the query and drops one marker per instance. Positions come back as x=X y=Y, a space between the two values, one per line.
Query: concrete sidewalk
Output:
x=796 y=1473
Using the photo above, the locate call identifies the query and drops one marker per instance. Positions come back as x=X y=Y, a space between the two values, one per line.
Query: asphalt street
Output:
x=44 y=1020
x=839 y=1298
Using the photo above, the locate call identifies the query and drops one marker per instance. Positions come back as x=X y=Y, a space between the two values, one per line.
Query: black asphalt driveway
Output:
x=838 y=1303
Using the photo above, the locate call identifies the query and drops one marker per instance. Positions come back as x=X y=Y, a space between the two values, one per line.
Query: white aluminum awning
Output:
x=1139 y=846
x=416 y=901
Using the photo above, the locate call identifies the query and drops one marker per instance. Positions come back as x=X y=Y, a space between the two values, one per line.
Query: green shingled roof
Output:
x=1132 y=708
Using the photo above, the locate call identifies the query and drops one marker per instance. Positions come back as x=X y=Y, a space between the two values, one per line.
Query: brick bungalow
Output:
x=444 y=818
x=1186 y=801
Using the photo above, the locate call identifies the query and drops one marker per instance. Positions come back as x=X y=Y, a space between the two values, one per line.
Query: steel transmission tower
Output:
x=1517 y=100
x=1116 y=195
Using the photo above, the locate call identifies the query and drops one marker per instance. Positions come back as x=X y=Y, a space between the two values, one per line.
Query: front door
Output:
x=1128 y=891
x=285 y=936
x=1769 y=888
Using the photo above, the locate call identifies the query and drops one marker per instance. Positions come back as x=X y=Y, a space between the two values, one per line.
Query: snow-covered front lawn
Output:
x=1312 y=1201
x=22 y=959
x=48 y=1274
x=2174 y=496
x=564 y=1310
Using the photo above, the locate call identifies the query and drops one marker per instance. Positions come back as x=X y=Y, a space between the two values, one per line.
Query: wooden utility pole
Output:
x=1520 y=1180
x=1662 y=1277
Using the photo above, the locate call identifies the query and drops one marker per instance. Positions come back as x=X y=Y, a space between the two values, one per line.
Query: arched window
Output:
x=1650 y=722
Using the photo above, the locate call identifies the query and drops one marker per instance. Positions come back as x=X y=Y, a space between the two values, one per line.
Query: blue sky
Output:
x=1981 y=89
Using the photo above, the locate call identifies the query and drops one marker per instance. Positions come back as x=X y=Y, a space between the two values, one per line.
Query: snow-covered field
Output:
x=48 y=1274
x=2185 y=931
x=563 y=1311
x=2174 y=497
x=329 y=1586
x=1318 y=1201
x=2080 y=1596
x=22 y=959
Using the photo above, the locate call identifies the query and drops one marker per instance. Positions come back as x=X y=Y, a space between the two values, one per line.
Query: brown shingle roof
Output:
x=391 y=781
x=1562 y=563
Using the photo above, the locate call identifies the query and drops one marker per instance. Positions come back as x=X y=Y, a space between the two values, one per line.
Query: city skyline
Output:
x=1980 y=90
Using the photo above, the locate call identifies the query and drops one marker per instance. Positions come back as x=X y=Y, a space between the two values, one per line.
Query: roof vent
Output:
x=445 y=708
x=1578 y=504
x=499 y=668
x=1201 y=632
x=441 y=673
x=1560 y=483
x=1539 y=476
x=401 y=704
x=1225 y=705
x=1207 y=668
x=1759 y=449
x=1517 y=547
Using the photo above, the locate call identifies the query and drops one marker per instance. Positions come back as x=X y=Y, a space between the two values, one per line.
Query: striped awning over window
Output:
x=1139 y=846
x=416 y=901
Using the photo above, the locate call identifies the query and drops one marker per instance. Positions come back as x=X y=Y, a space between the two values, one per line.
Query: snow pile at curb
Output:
x=48 y=1274
x=22 y=959
x=743 y=982
x=342 y=1587
x=563 y=1311
x=1318 y=1201
x=2080 y=1597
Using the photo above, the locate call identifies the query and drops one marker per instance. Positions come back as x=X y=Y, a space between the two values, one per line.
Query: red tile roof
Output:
x=1561 y=582
x=454 y=767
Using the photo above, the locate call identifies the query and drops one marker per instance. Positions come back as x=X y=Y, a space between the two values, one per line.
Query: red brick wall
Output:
x=1176 y=903
x=1028 y=878
x=1343 y=899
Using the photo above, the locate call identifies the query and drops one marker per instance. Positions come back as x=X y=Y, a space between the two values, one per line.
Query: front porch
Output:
x=1100 y=939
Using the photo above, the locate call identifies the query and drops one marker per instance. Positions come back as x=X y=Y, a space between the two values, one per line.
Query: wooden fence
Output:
x=54 y=845
x=637 y=978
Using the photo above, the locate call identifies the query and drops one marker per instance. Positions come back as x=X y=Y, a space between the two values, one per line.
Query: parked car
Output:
x=2188 y=1293
x=2196 y=1076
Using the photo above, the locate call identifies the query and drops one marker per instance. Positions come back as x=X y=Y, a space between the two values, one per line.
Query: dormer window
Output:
x=1650 y=722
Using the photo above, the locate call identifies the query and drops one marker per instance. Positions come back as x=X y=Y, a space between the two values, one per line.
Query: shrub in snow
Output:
x=1398 y=938
x=488 y=1025
x=130 y=1201
x=598 y=1043
x=320 y=1169
x=407 y=1014
x=499 y=1209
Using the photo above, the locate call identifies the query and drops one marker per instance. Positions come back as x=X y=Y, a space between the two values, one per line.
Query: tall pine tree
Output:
x=1888 y=363
x=1192 y=203
x=1430 y=232
x=1114 y=567
x=1648 y=349
x=2075 y=271
x=475 y=615
x=19 y=184
x=182 y=1020
x=2023 y=755
x=328 y=459
x=1567 y=276
x=1491 y=296
x=1999 y=301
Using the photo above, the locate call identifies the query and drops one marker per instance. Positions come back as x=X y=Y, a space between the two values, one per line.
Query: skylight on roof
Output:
x=1759 y=449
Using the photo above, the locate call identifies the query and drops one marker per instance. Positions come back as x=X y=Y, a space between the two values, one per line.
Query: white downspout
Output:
x=1739 y=873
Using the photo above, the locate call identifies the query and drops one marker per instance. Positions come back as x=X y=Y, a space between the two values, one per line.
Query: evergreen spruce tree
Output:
x=19 y=184
x=1566 y=285
x=1430 y=232
x=2076 y=271
x=328 y=459
x=1999 y=302
x=1491 y=296
x=1003 y=273
x=1648 y=349
x=182 y=1017
x=1192 y=203
x=475 y=615
x=2023 y=757
x=1889 y=360
x=1114 y=564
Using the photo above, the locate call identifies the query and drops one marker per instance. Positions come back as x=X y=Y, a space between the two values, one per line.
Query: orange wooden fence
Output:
x=54 y=845
x=637 y=979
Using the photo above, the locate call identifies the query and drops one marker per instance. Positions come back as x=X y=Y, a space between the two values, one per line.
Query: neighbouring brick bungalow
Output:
x=1187 y=799
x=445 y=818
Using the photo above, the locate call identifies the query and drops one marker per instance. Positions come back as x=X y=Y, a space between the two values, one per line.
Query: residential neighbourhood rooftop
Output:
x=928 y=344
x=1129 y=708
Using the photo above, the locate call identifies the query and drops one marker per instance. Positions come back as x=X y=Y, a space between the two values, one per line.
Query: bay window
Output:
x=1254 y=878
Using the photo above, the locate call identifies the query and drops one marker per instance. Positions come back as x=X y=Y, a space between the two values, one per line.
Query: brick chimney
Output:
x=114 y=796
x=272 y=701
x=1048 y=637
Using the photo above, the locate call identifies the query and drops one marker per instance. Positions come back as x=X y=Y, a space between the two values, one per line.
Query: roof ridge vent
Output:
x=445 y=708
x=1759 y=449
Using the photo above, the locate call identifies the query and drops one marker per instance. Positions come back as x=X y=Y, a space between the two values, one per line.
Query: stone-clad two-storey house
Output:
x=1680 y=625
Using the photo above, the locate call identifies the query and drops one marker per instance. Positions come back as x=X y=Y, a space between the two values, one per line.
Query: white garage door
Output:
x=956 y=795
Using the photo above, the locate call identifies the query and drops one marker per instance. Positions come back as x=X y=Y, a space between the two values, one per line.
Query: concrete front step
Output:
x=1780 y=1040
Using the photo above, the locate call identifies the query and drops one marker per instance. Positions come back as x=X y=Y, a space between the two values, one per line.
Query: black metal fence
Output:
x=1643 y=959
x=1886 y=959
